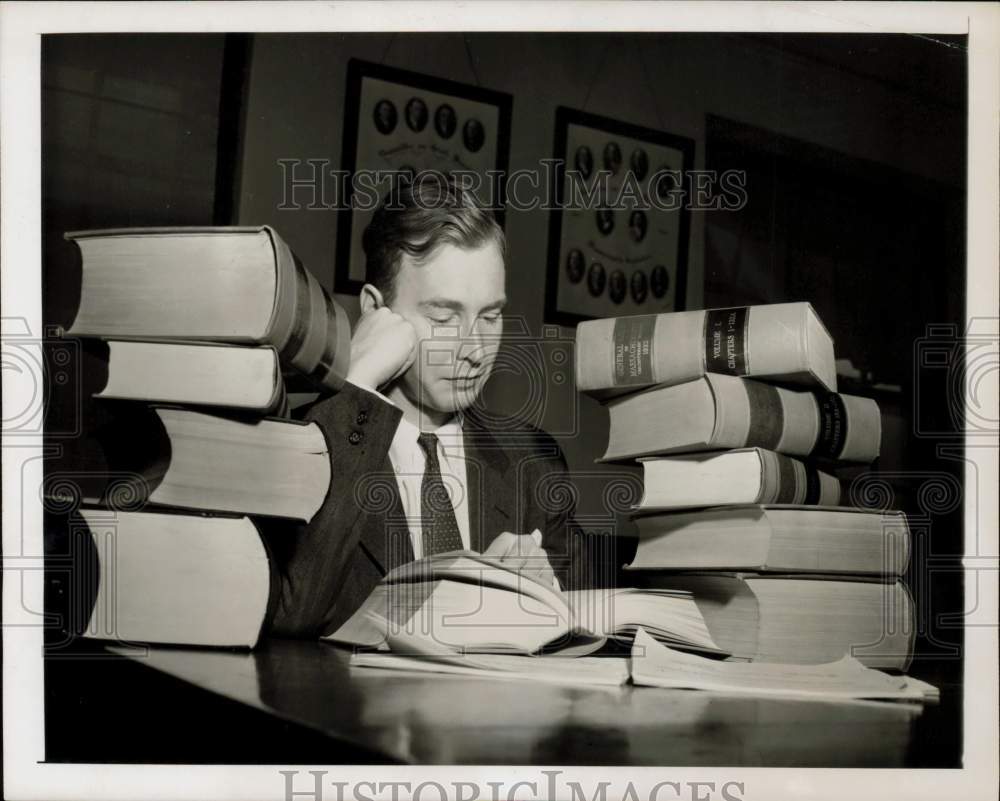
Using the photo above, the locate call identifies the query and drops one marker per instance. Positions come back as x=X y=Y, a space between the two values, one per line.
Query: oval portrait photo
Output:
x=444 y=121
x=473 y=135
x=385 y=116
x=659 y=281
x=416 y=114
x=605 y=221
x=639 y=286
x=574 y=266
x=617 y=286
x=596 y=279
x=639 y=163
x=612 y=157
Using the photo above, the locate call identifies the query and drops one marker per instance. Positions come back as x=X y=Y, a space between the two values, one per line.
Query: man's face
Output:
x=454 y=300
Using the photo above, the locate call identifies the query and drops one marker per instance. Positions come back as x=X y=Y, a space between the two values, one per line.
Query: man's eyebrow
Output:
x=496 y=305
x=441 y=303
x=454 y=305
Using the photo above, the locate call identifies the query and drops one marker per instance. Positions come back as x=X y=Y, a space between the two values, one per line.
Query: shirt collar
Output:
x=450 y=434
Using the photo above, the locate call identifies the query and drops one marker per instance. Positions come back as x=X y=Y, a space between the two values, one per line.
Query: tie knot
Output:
x=428 y=442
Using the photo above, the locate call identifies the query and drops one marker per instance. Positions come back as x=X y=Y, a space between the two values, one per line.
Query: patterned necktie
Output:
x=437 y=517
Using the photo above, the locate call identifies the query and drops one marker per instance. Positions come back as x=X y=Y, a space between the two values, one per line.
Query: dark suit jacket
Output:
x=323 y=571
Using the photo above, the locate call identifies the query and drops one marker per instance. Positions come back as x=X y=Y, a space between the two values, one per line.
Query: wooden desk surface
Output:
x=441 y=719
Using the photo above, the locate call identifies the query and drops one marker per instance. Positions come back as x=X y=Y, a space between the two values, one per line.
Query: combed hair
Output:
x=417 y=219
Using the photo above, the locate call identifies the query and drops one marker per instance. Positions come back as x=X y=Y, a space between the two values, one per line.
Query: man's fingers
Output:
x=501 y=546
x=523 y=554
x=517 y=561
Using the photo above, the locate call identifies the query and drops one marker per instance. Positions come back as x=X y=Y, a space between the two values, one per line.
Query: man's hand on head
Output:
x=383 y=347
x=521 y=552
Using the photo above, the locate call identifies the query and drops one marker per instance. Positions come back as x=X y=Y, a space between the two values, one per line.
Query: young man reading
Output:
x=416 y=470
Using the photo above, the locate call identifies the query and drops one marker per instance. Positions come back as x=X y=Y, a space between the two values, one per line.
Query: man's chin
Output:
x=455 y=396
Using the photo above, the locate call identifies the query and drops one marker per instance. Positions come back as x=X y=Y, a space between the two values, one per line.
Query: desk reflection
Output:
x=450 y=719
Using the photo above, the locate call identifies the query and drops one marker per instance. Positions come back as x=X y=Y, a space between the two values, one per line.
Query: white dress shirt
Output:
x=408 y=463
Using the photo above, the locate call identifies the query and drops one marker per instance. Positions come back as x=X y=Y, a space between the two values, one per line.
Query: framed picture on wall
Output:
x=618 y=232
x=399 y=124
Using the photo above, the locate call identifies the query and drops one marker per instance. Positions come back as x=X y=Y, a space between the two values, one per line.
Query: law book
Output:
x=246 y=379
x=780 y=342
x=780 y=539
x=800 y=619
x=656 y=665
x=238 y=285
x=719 y=412
x=186 y=459
x=173 y=579
x=463 y=602
x=739 y=476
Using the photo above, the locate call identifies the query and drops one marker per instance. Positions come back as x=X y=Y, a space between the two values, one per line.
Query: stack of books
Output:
x=188 y=334
x=734 y=417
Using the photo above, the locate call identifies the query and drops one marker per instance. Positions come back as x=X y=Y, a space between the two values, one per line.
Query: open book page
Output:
x=472 y=567
x=669 y=615
x=584 y=670
x=657 y=665
x=462 y=604
x=417 y=651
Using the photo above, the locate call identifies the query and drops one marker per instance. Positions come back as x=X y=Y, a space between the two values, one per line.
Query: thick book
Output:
x=463 y=602
x=656 y=665
x=739 y=476
x=186 y=459
x=800 y=619
x=175 y=579
x=199 y=374
x=782 y=539
x=782 y=342
x=718 y=412
x=241 y=285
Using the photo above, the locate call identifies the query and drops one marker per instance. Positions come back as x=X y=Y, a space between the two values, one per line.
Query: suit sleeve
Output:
x=306 y=579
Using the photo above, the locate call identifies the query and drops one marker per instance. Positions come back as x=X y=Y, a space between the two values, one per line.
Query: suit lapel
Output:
x=492 y=495
x=385 y=533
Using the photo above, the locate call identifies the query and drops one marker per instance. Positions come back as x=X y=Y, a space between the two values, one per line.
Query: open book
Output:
x=655 y=664
x=463 y=602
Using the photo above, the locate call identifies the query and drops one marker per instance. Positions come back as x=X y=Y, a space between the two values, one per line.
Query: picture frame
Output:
x=618 y=252
x=398 y=120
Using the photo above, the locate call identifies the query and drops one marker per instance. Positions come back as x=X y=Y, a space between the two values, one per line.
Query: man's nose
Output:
x=473 y=344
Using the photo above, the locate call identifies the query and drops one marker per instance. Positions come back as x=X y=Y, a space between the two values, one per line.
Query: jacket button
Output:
x=355 y=437
x=362 y=418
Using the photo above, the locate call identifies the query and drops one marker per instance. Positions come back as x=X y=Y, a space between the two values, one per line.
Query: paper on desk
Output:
x=656 y=665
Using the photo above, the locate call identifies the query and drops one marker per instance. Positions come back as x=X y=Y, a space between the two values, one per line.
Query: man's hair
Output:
x=419 y=217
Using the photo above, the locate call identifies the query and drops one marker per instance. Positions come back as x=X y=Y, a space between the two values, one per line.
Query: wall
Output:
x=671 y=82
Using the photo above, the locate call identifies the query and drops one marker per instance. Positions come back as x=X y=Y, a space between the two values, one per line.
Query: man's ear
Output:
x=370 y=298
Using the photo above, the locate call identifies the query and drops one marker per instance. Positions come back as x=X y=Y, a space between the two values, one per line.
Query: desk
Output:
x=442 y=719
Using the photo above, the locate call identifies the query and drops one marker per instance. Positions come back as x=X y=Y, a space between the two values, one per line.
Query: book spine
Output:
x=787 y=480
x=626 y=353
x=815 y=425
x=622 y=352
x=308 y=327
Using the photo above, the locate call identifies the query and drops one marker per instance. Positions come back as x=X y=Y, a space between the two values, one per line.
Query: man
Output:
x=416 y=470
